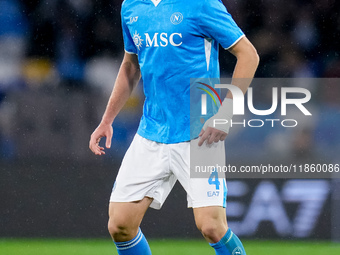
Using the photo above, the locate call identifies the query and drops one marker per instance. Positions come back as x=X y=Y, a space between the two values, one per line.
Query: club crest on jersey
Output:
x=176 y=18
x=137 y=39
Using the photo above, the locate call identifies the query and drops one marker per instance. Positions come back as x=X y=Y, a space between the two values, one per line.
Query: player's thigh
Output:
x=144 y=173
x=127 y=215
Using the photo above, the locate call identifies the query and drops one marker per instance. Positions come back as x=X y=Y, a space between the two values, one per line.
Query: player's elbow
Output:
x=250 y=55
x=246 y=53
x=255 y=56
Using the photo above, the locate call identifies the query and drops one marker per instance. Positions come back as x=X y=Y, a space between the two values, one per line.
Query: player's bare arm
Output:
x=128 y=77
x=246 y=65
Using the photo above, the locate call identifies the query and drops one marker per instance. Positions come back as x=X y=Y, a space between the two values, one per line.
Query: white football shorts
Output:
x=151 y=169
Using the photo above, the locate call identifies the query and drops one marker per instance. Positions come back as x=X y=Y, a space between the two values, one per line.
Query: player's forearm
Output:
x=246 y=65
x=247 y=62
x=127 y=79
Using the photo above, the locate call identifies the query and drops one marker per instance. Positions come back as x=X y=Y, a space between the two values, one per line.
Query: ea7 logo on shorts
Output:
x=176 y=18
x=213 y=193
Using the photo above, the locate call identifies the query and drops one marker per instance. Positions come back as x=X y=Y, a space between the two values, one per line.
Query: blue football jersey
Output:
x=175 y=41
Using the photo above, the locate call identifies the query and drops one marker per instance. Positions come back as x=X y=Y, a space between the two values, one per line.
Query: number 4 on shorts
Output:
x=213 y=180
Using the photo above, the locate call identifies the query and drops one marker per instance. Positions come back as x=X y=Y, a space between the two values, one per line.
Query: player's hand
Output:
x=213 y=131
x=211 y=135
x=103 y=130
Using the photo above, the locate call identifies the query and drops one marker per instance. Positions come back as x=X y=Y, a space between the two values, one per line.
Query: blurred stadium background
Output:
x=58 y=61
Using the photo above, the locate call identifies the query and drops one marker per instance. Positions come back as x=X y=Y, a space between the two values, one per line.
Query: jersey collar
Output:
x=156 y=2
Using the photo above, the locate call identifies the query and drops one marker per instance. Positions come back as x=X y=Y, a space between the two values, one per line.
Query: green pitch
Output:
x=161 y=247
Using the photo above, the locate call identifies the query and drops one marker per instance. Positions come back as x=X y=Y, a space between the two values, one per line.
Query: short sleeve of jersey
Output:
x=215 y=22
x=129 y=45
